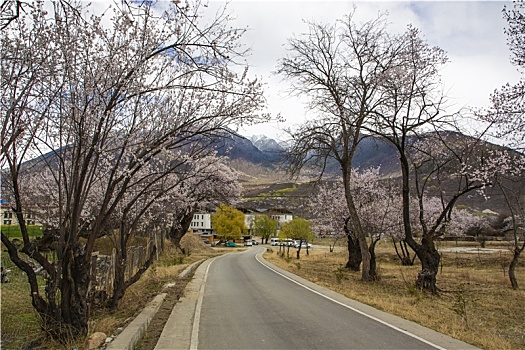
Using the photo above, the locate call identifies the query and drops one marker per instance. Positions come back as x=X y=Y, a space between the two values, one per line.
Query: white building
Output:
x=281 y=215
x=201 y=222
x=8 y=217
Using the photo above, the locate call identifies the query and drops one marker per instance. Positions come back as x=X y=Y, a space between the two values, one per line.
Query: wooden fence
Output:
x=103 y=266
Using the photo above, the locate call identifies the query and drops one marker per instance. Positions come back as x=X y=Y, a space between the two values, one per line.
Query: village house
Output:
x=8 y=216
x=201 y=223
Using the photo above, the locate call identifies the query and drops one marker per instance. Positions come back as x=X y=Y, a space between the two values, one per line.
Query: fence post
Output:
x=93 y=283
x=141 y=256
x=156 y=245
x=131 y=258
x=110 y=275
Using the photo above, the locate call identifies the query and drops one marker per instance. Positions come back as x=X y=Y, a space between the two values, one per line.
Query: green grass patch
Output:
x=13 y=231
x=285 y=191
x=20 y=322
x=275 y=194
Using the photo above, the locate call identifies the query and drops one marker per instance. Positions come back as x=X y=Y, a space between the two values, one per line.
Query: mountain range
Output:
x=258 y=157
x=267 y=152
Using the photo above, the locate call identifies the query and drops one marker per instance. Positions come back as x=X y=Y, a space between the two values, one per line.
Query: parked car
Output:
x=255 y=242
x=288 y=242
x=274 y=241
x=303 y=244
x=230 y=244
x=248 y=243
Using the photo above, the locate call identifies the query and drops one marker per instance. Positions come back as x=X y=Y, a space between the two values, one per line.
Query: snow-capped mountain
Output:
x=266 y=144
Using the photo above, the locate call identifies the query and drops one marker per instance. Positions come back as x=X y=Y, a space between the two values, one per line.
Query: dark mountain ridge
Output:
x=372 y=152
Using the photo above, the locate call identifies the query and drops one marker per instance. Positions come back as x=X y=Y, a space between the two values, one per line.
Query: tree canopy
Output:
x=117 y=113
x=264 y=226
x=228 y=223
x=298 y=229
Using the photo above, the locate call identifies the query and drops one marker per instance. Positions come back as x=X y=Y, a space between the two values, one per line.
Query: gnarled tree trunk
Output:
x=354 y=250
x=430 y=258
x=373 y=264
x=512 y=266
x=178 y=230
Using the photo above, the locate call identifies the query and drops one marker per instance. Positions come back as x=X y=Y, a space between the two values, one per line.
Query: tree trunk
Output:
x=299 y=250
x=358 y=232
x=176 y=232
x=407 y=260
x=404 y=256
x=373 y=265
x=426 y=251
x=67 y=319
x=430 y=258
x=120 y=279
x=512 y=268
x=354 y=254
x=175 y=235
x=74 y=290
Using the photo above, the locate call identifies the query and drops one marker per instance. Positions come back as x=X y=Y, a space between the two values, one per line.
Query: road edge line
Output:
x=276 y=269
x=194 y=338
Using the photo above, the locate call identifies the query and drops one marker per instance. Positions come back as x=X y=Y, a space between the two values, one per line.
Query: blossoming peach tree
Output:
x=104 y=115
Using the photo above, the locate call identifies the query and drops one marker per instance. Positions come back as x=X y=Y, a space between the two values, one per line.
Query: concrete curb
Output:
x=190 y=269
x=177 y=332
x=134 y=331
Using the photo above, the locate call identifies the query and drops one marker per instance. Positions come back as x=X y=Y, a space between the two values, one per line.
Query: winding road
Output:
x=247 y=303
x=240 y=301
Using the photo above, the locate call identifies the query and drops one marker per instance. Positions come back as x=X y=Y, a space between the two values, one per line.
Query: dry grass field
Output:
x=476 y=303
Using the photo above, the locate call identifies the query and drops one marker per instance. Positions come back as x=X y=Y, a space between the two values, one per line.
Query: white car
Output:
x=288 y=242
x=303 y=245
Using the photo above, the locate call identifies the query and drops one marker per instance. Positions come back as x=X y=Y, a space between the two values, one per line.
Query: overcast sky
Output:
x=471 y=32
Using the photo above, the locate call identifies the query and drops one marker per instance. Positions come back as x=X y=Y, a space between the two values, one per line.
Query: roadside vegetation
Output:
x=475 y=302
x=20 y=322
x=13 y=231
x=135 y=152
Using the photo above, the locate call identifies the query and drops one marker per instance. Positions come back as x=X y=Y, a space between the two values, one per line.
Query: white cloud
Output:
x=470 y=31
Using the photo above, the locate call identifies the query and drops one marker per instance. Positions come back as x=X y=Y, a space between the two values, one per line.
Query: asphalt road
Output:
x=247 y=305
